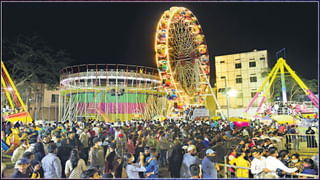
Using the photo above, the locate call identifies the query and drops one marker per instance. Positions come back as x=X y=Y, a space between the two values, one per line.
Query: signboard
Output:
x=200 y=113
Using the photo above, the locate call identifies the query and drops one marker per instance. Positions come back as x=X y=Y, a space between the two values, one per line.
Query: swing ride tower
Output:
x=281 y=66
x=18 y=111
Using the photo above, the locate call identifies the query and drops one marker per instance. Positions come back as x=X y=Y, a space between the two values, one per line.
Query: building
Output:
x=243 y=72
x=41 y=101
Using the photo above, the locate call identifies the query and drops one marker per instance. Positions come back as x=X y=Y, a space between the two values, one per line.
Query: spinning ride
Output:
x=17 y=111
x=110 y=92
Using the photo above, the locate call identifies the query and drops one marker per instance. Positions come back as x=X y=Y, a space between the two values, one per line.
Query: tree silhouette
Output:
x=30 y=60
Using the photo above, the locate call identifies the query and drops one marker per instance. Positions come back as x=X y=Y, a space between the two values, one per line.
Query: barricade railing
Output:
x=306 y=142
x=227 y=173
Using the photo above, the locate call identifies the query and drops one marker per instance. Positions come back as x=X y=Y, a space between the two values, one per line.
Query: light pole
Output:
x=228 y=92
x=227 y=95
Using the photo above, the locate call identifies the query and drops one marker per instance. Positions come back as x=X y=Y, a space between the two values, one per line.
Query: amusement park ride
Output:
x=183 y=60
x=18 y=110
x=281 y=65
x=113 y=92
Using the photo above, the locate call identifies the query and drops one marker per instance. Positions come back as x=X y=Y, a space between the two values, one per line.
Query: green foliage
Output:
x=265 y=73
x=294 y=91
x=30 y=60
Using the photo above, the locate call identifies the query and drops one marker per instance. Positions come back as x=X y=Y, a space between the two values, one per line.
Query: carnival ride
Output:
x=18 y=111
x=182 y=59
x=109 y=92
x=281 y=65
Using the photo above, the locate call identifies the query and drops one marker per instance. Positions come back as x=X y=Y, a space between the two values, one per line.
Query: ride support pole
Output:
x=13 y=86
x=268 y=88
x=7 y=92
x=262 y=100
x=283 y=82
x=262 y=86
x=312 y=95
x=301 y=84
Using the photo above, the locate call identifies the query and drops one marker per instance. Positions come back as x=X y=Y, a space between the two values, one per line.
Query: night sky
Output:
x=116 y=32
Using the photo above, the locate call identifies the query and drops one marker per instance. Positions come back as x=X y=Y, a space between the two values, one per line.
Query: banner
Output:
x=200 y=113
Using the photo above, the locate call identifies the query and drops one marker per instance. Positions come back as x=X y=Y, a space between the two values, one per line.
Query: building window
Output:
x=238 y=65
x=262 y=58
x=221 y=90
x=221 y=62
x=240 y=95
x=253 y=94
x=54 y=98
x=238 y=80
x=223 y=77
x=252 y=64
x=253 y=79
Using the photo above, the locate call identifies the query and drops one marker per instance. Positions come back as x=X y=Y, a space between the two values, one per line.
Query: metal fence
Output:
x=299 y=142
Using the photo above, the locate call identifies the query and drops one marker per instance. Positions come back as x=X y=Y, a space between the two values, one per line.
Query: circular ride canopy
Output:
x=182 y=56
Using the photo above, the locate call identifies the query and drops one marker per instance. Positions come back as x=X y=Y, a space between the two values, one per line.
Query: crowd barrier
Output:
x=299 y=142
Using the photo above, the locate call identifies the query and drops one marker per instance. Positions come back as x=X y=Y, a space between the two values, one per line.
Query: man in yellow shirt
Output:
x=241 y=162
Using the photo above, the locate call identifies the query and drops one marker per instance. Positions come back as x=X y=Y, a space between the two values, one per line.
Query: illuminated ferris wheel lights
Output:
x=175 y=25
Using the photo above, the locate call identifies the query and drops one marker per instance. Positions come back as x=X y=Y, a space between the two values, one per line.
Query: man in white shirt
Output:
x=276 y=108
x=258 y=164
x=96 y=129
x=272 y=163
x=117 y=132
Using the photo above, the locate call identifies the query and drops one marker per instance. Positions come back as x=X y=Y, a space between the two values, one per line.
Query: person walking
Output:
x=18 y=153
x=84 y=139
x=189 y=159
x=75 y=165
x=311 y=143
x=121 y=145
x=22 y=170
x=175 y=161
x=131 y=146
x=64 y=151
x=133 y=169
x=96 y=155
x=209 y=165
x=51 y=163
x=164 y=146
x=152 y=169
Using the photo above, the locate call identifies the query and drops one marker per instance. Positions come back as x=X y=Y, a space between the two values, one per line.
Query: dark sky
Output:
x=124 y=32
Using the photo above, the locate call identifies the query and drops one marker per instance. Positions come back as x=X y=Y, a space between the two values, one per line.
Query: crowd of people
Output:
x=138 y=149
x=289 y=108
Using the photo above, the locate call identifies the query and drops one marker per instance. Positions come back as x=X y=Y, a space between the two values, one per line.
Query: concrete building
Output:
x=245 y=73
x=41 y=102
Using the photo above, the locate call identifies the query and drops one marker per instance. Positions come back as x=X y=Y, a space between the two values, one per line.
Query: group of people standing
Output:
x=139 y=149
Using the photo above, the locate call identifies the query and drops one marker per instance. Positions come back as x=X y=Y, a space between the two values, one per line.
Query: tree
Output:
x=294 y=91
x=30 y=60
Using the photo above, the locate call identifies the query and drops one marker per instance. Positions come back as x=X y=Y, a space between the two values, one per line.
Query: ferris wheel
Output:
x=182 y=56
